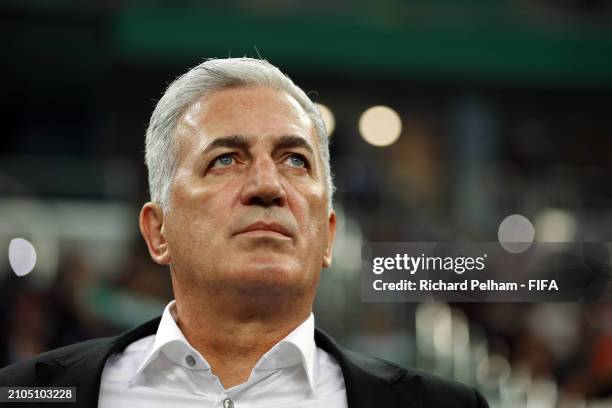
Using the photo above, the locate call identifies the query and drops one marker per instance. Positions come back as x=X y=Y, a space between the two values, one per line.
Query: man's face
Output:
x=249 y=199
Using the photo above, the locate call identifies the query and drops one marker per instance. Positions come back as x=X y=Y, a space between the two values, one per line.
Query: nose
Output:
x=262 y=185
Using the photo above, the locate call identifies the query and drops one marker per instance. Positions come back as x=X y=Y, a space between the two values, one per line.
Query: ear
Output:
x=151 y=222
x=331 y=235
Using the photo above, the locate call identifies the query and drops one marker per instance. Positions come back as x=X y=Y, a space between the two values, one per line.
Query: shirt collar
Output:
x=298 y=347
x=170 y=341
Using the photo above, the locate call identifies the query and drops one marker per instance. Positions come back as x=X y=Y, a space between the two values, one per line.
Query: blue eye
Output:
x=297 y=160
x=224 y=160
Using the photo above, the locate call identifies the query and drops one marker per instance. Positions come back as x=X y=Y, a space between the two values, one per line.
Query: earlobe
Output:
x=151 y=222
x=331 y=236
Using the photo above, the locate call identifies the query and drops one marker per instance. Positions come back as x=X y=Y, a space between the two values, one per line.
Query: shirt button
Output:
x=190 y=360
x=228 y=403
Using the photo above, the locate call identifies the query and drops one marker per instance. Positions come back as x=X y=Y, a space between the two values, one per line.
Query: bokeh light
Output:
x=22 y=256
x=555 y=225
x=515 y=233
x=380 y=126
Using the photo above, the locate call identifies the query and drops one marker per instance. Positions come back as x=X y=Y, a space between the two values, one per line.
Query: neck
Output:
x=233 y=331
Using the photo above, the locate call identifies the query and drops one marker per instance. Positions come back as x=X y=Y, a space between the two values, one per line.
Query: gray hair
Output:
x=161 y=152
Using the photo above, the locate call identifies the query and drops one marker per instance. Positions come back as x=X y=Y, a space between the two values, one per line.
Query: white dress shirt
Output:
x=164 y=370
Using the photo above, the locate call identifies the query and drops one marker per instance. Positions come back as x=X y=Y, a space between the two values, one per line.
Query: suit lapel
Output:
x=372 y=382
x=85 y=375
x=82 y=367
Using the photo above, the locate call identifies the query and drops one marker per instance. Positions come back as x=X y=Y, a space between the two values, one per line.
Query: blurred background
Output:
x=445 y=117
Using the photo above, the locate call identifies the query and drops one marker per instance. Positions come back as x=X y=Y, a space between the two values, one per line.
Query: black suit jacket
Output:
x=370 y=382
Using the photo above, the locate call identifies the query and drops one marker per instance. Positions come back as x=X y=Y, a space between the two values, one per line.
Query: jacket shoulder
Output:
x=438 y=391
x=84 y=358
x=434 y=391
x=372 y=381
x=23 y=373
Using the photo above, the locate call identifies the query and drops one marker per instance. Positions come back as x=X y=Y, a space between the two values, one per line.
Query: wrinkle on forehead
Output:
x=241 y=101
x=233 y=105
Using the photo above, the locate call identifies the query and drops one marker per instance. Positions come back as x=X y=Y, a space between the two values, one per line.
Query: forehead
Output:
x=255 y=112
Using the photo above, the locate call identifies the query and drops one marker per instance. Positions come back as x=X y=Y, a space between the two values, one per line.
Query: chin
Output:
x=268 y=278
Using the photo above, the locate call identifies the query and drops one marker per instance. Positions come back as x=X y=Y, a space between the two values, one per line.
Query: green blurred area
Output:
x=519 y=42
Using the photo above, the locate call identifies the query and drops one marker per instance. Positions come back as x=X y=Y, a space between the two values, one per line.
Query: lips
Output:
x=263 y=226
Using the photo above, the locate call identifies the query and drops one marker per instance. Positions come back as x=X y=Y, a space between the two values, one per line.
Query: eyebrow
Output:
x=242 y=142
x=233 y=141
x=292 y=141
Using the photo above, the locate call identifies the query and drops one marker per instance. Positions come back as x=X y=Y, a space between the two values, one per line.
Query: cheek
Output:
x=309 y=207
x=194 y=196
x=199 y=213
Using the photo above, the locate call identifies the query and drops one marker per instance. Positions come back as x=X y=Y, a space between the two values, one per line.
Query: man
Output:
x=241 y=213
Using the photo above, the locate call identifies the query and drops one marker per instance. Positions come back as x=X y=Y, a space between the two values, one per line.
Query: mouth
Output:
x=267 y=229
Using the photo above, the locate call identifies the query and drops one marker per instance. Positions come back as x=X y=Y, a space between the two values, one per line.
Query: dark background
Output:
x=505 y=109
